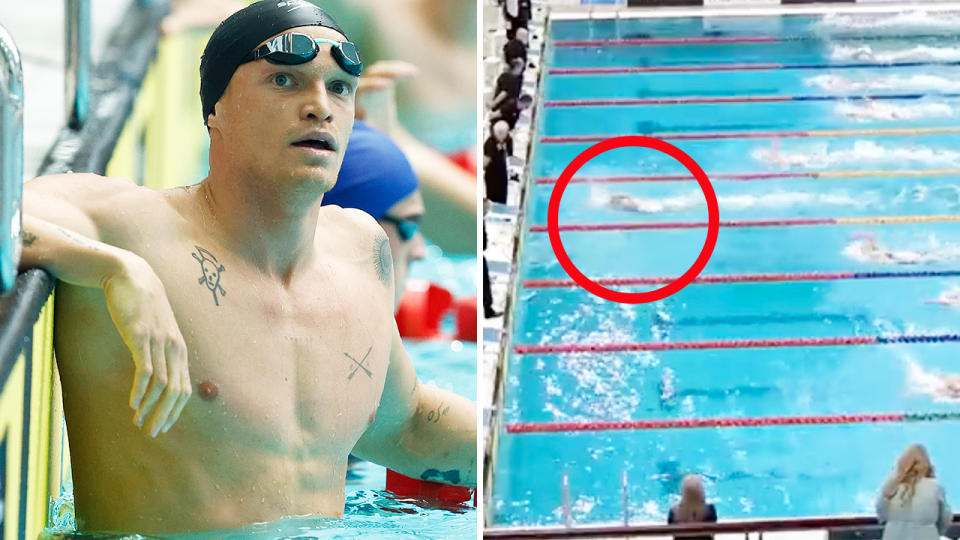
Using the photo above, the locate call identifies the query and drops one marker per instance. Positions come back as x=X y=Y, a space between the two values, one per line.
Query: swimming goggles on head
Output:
x=407 y=228
x=293 y=48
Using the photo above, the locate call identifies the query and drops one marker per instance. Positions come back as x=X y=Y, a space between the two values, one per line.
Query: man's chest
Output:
x=302 y=366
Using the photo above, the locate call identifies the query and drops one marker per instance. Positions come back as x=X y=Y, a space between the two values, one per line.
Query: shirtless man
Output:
x=276 y=312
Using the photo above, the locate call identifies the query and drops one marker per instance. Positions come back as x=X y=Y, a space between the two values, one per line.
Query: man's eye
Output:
x=283 y=80
x=340 y=88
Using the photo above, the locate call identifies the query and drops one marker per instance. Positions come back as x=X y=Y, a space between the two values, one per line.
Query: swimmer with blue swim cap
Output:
x=276 y=312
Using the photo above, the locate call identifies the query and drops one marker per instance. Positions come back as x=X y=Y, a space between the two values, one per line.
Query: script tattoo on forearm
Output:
x=212 y=269
x=433 y=416
x=77 y=239
x=359 y=364
x=382 y=260
x=29 y=238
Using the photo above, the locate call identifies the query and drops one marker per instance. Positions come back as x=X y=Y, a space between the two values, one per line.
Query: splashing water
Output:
x=776 y=199
x=862 y=153
x=919 y=53
x=836 y=83
x=910 y=22
x=864 y=248
x=863 y=111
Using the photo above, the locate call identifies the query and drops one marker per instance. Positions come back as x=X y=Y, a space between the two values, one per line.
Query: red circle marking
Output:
x=713 y=222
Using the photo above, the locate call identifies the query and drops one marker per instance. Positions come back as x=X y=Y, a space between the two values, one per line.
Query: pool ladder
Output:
x=11 y=158
x=565 y=496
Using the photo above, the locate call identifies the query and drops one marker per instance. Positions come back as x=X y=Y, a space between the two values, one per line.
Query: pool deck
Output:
x=38 y=32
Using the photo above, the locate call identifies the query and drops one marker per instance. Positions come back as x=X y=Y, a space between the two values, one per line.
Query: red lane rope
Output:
x=705 y=422
x=592 y=227
x=776 y=134
x=666 y=101
x=693 y=345
x=733 y=344
x=761 y=176
x=743 y=278
x=778 y=222
x=667 y=41
x=736 y=67
x=695 y=100
x=655 y=69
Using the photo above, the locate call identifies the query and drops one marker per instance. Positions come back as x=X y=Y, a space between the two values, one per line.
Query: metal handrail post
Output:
x=11 y=159
x=77 y=55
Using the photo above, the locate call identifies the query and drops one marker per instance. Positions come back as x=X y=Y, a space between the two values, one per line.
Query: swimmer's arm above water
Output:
x=62 y=226
x=421 y=431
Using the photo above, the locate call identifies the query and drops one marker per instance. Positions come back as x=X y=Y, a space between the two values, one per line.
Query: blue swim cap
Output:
x=375 y=174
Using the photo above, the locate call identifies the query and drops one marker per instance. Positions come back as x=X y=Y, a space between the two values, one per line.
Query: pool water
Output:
x=900 y=159
x=369 y=511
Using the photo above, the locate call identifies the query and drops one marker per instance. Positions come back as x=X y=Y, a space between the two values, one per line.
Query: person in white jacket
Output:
x=911 y=504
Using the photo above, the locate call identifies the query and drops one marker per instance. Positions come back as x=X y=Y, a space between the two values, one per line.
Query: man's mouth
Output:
x=317 y=141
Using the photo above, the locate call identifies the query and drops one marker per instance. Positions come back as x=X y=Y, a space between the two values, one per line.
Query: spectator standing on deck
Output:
x=911 y=504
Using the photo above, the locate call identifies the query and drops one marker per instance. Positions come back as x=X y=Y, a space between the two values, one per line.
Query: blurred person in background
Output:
x=693 y=507
x=911 y=504
x=496 y=149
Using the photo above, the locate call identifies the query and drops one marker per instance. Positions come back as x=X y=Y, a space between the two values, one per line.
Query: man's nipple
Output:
x=207 y=390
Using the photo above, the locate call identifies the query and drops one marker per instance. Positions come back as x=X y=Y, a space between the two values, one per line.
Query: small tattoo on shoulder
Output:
x=29 y=238
x=382 y=260
x=359 y=364
x=434 y=415
x=212 y=269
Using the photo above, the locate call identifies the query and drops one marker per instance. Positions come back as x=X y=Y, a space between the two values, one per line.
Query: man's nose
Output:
x=317 y=105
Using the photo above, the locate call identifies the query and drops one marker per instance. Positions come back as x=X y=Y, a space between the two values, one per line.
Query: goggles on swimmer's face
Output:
x=407 y=228
x=293 y=48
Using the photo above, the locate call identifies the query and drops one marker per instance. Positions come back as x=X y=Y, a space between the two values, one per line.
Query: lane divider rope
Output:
x=745 y=278
x=764 y=421
x=711 y=40
x=786 y=222
x=570 y=348
x=760 y=176
x=760 y=66
x=778 y=134
x=697 y=100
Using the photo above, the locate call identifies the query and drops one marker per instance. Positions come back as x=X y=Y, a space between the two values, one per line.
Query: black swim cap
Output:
x=241 y=32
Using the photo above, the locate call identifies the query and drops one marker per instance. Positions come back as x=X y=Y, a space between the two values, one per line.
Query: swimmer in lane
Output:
x=949 y=297
x=865 y=248
x=939 y=386
x=276 y=311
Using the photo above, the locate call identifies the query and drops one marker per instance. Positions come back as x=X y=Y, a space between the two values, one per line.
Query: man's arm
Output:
x=61 y=234
x=421 y=431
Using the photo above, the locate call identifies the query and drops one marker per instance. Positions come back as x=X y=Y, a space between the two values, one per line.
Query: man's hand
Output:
x=142 y=314
x=63 y=216
x=376 y=94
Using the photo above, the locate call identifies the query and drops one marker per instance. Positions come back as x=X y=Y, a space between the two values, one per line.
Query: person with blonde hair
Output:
x=911 y=504
x=693 y=507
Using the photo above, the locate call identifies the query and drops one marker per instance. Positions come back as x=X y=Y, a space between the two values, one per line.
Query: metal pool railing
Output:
x=11 y=158
x=837 y=527
x=34 y=458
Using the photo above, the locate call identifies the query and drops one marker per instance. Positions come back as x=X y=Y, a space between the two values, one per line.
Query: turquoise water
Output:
x=749 y=472
x=369 y=511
